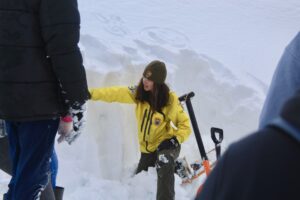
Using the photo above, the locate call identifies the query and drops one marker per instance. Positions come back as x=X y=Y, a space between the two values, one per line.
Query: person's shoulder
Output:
x=173 y=98
x=173 y=95
x=253 y=144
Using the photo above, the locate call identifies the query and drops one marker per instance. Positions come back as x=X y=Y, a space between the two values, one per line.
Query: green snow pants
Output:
x=164 y=161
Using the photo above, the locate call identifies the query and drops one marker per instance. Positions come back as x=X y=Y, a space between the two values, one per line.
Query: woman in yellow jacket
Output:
x=162 y=123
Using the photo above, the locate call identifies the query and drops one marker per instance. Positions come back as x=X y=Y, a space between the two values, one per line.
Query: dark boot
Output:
x=48 y=193
x=59 y=191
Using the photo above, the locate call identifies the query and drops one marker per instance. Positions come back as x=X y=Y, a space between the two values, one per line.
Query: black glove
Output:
x=171 y=143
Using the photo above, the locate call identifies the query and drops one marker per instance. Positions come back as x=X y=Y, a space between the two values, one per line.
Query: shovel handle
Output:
x=214 y=131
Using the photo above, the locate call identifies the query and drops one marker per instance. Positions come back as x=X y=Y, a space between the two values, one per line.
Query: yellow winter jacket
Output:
x=153 y=128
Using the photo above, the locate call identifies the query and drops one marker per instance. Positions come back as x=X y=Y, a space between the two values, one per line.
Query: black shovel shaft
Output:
x=187 y=99
x=218 y=151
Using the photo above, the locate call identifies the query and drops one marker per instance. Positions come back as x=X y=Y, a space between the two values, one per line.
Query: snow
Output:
x=224 y=51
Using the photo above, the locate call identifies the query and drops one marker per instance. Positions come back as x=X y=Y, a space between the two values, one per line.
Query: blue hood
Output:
x=285 y=82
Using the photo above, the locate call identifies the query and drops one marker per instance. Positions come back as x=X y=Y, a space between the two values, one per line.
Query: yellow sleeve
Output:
x=182 y=120
x=120 y=94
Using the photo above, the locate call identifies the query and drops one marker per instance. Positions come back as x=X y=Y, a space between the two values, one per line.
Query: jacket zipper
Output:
x=145 y=113
x=150 y=123
x=147 y=122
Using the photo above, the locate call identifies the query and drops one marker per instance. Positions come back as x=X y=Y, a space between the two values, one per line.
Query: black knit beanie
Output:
x=156 y=71
x=291 y=110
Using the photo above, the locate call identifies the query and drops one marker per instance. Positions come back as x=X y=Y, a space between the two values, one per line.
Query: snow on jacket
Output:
x=285 y=82
x=40 y=59
x=153 y=128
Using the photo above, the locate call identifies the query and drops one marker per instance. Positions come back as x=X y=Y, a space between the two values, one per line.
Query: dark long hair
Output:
x=157 y=99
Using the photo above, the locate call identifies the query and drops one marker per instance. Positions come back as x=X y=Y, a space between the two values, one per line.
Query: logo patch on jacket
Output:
x=157 y=121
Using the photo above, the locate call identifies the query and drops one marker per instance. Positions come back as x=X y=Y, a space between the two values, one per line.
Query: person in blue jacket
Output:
x=264 y=165
x=285 y=82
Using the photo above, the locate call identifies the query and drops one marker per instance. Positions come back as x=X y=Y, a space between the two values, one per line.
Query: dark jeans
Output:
x=165 y=165
x=5 y=162
x=5 y=165
x=31 y=146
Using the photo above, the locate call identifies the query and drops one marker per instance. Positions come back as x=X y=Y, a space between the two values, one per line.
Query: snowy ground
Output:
x=223 y=51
